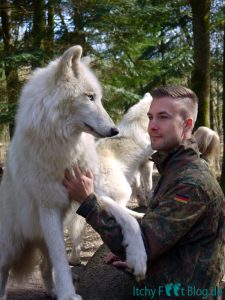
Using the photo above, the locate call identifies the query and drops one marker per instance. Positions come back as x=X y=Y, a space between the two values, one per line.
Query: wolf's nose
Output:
x=114 y=131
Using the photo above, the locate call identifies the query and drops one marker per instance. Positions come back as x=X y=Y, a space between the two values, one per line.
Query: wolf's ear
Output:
x=71 y=56
x=147 y=96
x=69 y=61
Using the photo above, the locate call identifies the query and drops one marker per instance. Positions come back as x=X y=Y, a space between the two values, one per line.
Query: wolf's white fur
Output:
x=134 y=125
x=135 y=122
x=55 y=114
x=122 y=158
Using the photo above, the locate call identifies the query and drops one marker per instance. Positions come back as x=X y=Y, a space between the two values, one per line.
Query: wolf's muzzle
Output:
x=114 y=131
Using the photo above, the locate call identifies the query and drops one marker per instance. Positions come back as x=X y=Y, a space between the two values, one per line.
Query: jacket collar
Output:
x=185 y=152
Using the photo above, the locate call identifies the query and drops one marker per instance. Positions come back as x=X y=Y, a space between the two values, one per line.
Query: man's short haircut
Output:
x=187 y=98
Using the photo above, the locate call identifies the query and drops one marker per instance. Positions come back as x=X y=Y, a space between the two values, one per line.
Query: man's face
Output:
x=166 y=124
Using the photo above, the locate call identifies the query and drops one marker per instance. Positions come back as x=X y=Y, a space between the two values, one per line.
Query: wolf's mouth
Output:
x=93 y=130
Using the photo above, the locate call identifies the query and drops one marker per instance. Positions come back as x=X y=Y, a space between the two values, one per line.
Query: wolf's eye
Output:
x=91 y=97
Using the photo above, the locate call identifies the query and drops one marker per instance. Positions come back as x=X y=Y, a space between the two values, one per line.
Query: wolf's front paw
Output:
x=139 y=215
x=71 y=297
x=137 y=261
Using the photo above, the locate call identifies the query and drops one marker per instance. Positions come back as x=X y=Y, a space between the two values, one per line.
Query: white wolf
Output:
x=122 y=158
x=59 y=106
x=134 y=126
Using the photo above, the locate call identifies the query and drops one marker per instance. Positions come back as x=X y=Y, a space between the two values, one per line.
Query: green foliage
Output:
x=136 y=44
x=20 y=59
x=140 y=45
x=7 y=112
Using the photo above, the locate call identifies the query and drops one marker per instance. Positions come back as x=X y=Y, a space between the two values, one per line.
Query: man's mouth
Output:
x=97 y=134
x=156 y=137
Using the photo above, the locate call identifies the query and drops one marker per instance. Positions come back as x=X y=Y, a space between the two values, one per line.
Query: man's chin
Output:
x=157 y=149
x=155 y=146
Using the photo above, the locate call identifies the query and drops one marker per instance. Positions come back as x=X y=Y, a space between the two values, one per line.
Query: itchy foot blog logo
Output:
x=175 y=290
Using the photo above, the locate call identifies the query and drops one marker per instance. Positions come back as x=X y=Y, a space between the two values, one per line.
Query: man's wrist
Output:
x=83 y=199
x=87 y=205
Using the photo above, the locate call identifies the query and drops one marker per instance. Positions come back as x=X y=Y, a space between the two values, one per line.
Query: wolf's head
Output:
x=135 y=122
x=64 y=98
x=81 y=107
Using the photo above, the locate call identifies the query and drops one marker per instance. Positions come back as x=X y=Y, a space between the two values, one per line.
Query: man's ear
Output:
x=188 y=124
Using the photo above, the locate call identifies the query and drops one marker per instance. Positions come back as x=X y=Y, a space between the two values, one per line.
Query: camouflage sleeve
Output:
x=104 y=223
x=175 y=214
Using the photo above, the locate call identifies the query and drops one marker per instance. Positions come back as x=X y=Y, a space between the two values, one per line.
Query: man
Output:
x=183 y=228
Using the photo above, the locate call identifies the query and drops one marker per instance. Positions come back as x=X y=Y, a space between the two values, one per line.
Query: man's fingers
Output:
x=89 y=174
x=110 y=258
x=80 y=174
x=67 y=178
x=81 y=177
x=65 y=182
x=77 y=171
x=120 y=264
x=67 y=174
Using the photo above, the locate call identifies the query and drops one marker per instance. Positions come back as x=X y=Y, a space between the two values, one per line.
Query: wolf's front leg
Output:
x=136 y=256
x=52 y=226
x=76 y=227
x=46 y=270
x=3 y=281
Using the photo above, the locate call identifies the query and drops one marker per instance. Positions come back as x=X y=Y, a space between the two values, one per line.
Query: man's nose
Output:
x=152 y=126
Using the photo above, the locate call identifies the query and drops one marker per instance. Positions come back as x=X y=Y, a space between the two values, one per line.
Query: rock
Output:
x=100 y=281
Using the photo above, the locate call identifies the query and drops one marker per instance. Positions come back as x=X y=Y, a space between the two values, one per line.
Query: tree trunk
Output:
x=212 y=123
x=79 y=33
x=49 y=40
x=201 y=72
x=11 y=74
x=222 y=180
x=39 y=30
x=39 y=27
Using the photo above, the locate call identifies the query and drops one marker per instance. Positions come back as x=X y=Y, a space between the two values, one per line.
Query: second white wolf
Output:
x=124 y=160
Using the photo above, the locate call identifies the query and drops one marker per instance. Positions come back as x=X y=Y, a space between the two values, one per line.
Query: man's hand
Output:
x=79 y=186
x=112 y=259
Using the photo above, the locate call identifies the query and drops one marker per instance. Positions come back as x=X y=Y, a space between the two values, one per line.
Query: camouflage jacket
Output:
x=183 y=228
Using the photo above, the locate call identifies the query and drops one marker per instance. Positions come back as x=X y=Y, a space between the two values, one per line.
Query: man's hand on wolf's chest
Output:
x=79 y=186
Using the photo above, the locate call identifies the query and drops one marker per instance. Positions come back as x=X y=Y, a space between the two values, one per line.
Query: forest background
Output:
x=135 y=46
